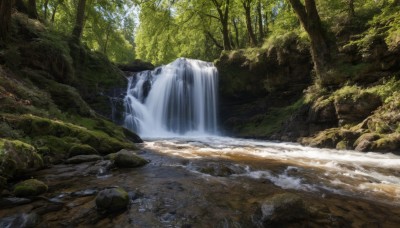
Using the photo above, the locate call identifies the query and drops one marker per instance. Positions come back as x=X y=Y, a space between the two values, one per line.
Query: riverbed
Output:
x=221 y=182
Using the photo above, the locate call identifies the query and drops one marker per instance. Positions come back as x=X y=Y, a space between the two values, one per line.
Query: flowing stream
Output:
x=372 y=176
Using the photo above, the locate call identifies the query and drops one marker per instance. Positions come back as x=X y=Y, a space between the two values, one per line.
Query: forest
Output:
x=199 y=113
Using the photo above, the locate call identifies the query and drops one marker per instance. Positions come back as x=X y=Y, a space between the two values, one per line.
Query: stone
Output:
x=281 y=209
x=128 y=159
x=83 y=158
x=13 y=201
x=31 y=187
x=132 y=136
x=354 y=110
x=82 y=150
x=112 y=199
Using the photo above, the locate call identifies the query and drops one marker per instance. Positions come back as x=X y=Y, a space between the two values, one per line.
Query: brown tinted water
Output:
x=220 y=182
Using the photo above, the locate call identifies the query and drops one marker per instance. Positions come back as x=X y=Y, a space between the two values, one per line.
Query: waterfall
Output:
x=177 y=99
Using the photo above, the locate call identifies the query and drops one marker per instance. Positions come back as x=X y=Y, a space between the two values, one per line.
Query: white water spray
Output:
x=177 y=99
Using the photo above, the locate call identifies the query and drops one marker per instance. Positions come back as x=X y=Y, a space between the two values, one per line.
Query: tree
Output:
x=260 y=22
x=222 y=8
x=80 y=21
x=350 y=11
x=5 y=19
x=247 y=9
x=310 y=20
x=32 y=12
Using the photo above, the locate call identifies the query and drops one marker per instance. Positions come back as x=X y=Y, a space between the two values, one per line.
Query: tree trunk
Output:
x=46 y=8
x=21 y=7
x=5 y=19
x=260 y=22
x=80 y=21
x=236 y=32
x=310 y=20
x=223 y=18
x=32 y=11
x=351 y=13
x=107 y=38
x=249 y=26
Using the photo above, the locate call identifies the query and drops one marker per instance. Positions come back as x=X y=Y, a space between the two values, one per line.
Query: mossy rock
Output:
x=30 y=187
x=82 y=150
x=39 y=127
x=127 y=159
x=388 y=143
x=114 y=199
x=17 y=157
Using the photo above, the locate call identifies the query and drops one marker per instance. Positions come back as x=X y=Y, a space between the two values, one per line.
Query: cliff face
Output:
x=270 y=94
x=257 y=86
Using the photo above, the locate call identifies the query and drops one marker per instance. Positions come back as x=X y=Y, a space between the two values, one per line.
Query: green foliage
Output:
x=271 y=122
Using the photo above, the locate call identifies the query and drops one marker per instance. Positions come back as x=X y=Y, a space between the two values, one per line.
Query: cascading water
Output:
x=177 y=99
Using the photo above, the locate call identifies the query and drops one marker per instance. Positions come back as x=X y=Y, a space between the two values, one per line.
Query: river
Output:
x=221 y=182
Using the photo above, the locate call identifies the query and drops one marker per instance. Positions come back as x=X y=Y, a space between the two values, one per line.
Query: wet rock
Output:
x=281 y=209
x=221 y=170
x=132 y=136
x=82 y=150
x=83 y=193
x=30 y=187
x=113 y=199
x=20 y=221
x=83 y=158
x=12 y=202
x=127 y=159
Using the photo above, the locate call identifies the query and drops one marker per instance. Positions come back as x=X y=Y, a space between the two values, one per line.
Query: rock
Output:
x=220 y=169
x=31 y=187
x=132 y=136
x=83 y=158
x=20 y=220
x=113 y=199
x=352 y=108
x=82 y=150
x=12 y=202
x=364 y=142
x=389 y=143
x=18 y=158
x=281 y=209
x=128 y=159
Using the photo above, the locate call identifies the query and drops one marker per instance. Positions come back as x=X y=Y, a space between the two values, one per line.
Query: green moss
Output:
x=30 y=187
x=42 y=128
x=264 y=126
x=82 y=150
x=17 y=157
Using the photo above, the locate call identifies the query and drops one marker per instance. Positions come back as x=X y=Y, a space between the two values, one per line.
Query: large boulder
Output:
x=112 y=199
x=31 y=187
x=280 y=210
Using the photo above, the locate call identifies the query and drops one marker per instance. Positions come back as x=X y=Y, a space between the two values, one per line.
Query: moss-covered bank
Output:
x=54 y=97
